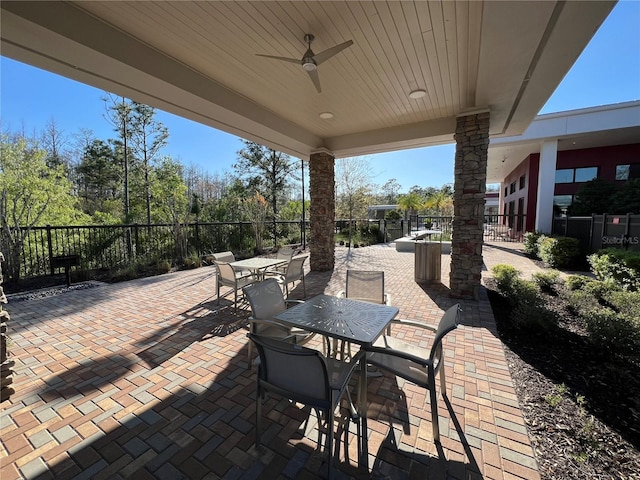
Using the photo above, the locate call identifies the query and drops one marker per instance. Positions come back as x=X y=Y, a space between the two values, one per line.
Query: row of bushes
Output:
x=621 y=266
x=557 y=252
x=609 y=309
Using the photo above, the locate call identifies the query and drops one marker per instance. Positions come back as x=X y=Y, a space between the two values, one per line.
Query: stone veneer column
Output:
x=322 y=210
x=470 y=173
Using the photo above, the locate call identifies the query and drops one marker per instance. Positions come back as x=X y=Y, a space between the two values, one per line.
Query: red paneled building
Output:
x=541 y=171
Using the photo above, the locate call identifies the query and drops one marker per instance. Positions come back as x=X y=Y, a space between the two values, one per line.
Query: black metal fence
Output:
x=601 y=231
x=104 y=247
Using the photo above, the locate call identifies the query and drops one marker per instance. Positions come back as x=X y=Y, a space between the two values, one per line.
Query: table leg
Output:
x=363 y=461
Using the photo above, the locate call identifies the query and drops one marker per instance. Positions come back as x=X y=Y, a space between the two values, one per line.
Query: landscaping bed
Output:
x=581 y=402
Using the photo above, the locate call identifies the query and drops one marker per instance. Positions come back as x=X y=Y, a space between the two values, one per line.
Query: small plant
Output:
x=546 y=280
x=505 y=276
x=576 y=282
x=163 y=266
x=620 y=266
x=556 y=396
x=530 y=241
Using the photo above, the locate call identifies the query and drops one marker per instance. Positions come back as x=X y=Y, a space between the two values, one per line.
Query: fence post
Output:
x=50 y=247
x=197 y=235
x=626 y=231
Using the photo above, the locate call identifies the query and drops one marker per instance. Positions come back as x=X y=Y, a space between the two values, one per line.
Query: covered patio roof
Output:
x=198 y=60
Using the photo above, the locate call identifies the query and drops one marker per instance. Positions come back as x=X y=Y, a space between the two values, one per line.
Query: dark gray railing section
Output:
x=601 y=231
x=103 y=247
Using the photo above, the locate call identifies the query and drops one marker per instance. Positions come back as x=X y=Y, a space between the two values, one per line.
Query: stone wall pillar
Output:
x=470 y=173
x=322 y=210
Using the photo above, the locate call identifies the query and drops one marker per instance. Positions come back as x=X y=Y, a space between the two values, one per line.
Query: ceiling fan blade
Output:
x=313 y=74
x=330 y=52
x=284 y=59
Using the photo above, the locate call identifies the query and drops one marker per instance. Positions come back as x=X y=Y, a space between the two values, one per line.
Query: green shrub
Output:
x=558 y=252
x=613 y=330
x=581 y=301
x=620 y=266
x=625 y=302
x=124 y=273
x=546 y=280
x=531 y=243
x=599 y=288
x=505 y=276
x=193 y=260
x=530 y=312
x=393 y=215
x=163 y=266
x=576 y=282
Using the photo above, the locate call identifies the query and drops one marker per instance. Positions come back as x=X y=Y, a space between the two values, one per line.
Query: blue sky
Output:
x=608 y=71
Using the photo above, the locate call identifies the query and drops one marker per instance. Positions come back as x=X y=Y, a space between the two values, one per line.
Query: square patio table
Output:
x=350 y=320
x=257 y=265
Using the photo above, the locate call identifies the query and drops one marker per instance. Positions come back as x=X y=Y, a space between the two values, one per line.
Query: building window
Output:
x=512 y=188
x=564 y=175
x=622 y=172
x=571 y=175
x=561 y=203
x=522 y=181
x=586 y=174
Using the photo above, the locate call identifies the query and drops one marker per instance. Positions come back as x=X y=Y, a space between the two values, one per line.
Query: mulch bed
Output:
x=581 y=404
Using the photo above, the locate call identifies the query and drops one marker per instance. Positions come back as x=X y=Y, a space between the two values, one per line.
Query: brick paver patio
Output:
x=149 y=379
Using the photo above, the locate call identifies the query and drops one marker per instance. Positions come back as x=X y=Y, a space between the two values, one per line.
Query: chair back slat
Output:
x=364 y=285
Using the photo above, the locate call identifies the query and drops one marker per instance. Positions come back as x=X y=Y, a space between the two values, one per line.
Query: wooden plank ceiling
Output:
x=198 y=60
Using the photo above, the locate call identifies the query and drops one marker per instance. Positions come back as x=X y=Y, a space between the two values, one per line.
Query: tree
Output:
x=390 y=191
x=266 y=171
x=353 y=188
x=99 y=180
x=593 y=197
x=170 y=201
x=255 y=208
x=440 y=202
x=411 y=203
x=627 y=198
x=54 y=142
x=148 y=136
x=119 y=115
x=31 y=194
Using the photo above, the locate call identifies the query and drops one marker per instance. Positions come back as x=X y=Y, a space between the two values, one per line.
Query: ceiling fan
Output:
x=310 y=60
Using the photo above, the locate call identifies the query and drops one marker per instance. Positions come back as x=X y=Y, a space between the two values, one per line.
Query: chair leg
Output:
x=434 y=413
x=304 y=288
x=258 y=416
x=443 y=383
x=330 y=422
x=218 y=289
x=235 y=299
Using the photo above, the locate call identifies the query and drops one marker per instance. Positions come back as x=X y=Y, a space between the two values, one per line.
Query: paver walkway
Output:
x=149 y=379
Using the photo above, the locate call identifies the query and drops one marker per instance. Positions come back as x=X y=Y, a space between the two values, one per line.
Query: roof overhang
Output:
x=197 y=60
x=617 y=124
